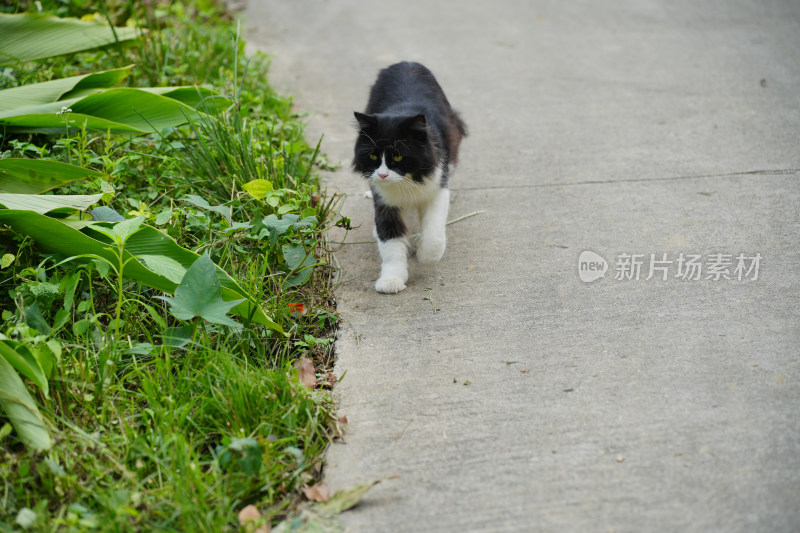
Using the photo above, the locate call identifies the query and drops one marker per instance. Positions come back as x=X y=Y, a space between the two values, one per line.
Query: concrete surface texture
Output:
x=502 y=391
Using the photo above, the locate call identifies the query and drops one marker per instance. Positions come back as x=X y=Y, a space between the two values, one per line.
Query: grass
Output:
x=162 y=423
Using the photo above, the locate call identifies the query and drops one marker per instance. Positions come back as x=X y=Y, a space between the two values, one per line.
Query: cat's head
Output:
x=394 y=147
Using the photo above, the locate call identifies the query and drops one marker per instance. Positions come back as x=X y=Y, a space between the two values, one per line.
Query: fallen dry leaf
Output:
x=306 y=372
x=343 y=420
x=317 y=493
x=248 y=513
x=345 y=499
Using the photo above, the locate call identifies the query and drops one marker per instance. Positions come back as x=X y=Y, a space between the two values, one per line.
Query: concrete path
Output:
x=506 y=393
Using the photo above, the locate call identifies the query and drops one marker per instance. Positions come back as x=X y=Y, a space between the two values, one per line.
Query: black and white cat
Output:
x=406 y=148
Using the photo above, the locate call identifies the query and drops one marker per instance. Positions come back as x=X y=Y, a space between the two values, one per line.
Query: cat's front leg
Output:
x=390 y=232
x=394 y=265
x=433 y=221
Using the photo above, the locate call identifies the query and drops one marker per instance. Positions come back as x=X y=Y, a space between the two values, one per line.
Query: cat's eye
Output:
x=373 y=157
x=398 y=158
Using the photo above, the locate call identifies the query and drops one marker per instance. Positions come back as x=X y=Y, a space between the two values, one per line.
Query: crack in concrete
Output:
x=771 y=172
x=768 y=172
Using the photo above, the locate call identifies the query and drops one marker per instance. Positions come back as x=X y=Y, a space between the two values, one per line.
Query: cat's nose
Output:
x=383 y=175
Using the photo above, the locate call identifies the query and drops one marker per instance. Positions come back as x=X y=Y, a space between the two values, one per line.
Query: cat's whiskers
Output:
x=362 y=132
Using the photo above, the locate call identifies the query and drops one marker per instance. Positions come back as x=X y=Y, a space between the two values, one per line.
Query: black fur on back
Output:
x=409 y=116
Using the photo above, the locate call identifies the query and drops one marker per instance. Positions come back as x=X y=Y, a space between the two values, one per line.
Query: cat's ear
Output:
x=365 y=122
x=416 y=125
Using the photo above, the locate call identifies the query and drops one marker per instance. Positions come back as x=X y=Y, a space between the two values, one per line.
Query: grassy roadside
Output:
x=163 y=420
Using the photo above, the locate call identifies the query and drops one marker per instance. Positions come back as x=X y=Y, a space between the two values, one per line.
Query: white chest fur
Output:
x=408 y=194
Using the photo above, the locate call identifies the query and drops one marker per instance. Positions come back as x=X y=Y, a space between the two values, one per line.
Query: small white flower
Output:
x=25 y=518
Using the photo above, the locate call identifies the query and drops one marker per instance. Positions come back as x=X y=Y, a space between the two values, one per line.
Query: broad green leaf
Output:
x=54 y=236
x=55 y=352
x=34 y=318
x=164 y=266
x=177 y=337
x=121 y=110
x=59 y=321
x=49 y=123
x=164 y=216
x=104 y=213
x=276 y=225
x=21 y=408
x=258 y=188
x=62 y=88
x=121 y=231
x=45 y=204
x=199 y=295
x=35 y=176
x=27 y=37
x=21 y=358
x=200 y=98
x=237 y=226
x=299 y=262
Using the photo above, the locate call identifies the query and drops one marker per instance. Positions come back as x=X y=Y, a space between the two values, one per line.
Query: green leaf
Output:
x=120 y=231
x=61 y=88
x=177 y=337
x=21 y=409
x=258 y=188
x=35 y=176
x=199 y=201
x=54 y=236
x=45 y=204
x=34 y=318
x=300 y=264
x=276 y=225
x=163 y=217
x=123 y=110
x=104 y=213
x=27 y=37
x=164 y=266
x=200 y=98
x=51 y=124
x=21 y=358
x=199 y=295
x=49 y=354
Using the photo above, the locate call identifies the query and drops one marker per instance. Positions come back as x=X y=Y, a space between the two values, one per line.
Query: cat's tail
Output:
x=457 y=130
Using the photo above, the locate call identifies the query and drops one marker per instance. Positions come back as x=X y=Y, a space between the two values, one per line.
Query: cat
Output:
x=407 y=147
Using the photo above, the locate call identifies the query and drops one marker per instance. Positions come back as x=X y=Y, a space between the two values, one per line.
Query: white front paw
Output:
x=430 y=249
x=389 y=285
